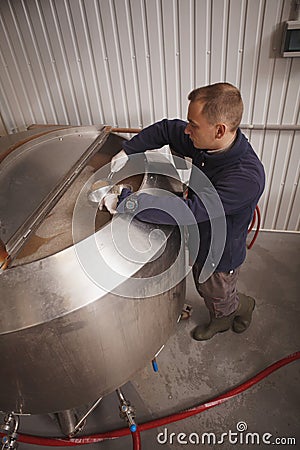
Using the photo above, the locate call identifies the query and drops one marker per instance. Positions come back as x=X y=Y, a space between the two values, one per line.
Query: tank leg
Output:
x=69 y=423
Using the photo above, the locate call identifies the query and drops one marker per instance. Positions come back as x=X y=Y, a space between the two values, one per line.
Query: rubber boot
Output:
x=239 y=320
x=216 y=325
x=243 y=314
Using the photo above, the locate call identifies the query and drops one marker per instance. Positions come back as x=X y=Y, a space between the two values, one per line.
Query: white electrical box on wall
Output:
x=291 y=39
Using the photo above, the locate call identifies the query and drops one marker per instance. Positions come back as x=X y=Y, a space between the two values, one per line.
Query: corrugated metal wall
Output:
x=131 y=62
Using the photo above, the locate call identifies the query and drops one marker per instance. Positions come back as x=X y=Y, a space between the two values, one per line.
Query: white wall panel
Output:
x=291 y=109
x=143 y=66
x=56 y=63
x=277 y=177
x=270 y=13
x=202 y=52
x=264 y=143
x=101 y=61
x=252 y=43
x=288 y=214
x=29 y=54
x=219 y=31
x=170 y=43
x=14 y=71
x=187 y=47
x=3 y=130
x=235 y=41
x=132 y=62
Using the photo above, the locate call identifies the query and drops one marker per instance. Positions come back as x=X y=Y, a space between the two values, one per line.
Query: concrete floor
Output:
x=193 y=372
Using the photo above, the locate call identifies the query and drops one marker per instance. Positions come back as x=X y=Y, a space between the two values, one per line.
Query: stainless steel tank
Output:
x=65 y=340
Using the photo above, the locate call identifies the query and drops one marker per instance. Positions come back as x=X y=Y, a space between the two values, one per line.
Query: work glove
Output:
x=118 y=161
x=110 y=202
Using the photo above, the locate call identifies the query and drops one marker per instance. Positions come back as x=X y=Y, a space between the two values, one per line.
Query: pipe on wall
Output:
x=275 y=127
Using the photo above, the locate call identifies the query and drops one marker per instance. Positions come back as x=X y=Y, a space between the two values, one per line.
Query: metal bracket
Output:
x=186 y=312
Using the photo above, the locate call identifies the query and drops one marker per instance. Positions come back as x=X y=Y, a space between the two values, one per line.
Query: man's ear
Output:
x=220 y=130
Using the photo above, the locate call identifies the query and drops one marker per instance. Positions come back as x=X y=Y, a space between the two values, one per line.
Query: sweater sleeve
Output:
x=165 y=132
x=171 y=209
x=235 y=200
x=210 y=203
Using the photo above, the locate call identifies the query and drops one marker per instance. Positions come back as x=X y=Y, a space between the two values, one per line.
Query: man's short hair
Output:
x=222 y=103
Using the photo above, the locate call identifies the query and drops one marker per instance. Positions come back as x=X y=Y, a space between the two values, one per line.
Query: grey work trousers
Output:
x=219 y=291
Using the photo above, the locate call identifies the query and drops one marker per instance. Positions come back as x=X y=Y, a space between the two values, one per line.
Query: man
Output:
x=212 y=139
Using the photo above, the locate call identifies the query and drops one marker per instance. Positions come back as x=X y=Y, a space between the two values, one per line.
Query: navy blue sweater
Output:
x=237 y=175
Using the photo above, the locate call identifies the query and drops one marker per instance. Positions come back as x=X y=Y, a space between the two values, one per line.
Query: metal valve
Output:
x=9 y=443
x=154 y=361
x=127 y=411
x=10 y=426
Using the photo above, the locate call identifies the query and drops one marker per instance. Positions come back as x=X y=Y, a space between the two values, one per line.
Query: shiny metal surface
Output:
x=98 y=191
x=51 y=162
x=64 y=340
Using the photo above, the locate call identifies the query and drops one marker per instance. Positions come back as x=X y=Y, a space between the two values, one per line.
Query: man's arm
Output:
x=167 y=209
x=224 y=199
x=165 y=132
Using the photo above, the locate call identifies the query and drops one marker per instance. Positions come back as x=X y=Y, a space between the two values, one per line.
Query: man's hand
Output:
x=110 y=202
x=118 y=161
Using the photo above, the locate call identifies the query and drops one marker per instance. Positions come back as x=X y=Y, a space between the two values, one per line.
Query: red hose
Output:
x=136 y=439
x=52 y=442
x=253 y=221
x=256 y=212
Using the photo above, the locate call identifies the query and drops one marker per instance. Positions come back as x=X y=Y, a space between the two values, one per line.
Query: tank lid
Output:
x=36 y=172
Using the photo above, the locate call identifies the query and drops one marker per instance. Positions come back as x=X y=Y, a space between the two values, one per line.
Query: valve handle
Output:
x=154 y=365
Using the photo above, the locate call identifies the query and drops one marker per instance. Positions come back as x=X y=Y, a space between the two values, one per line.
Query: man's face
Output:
x=200 y=131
